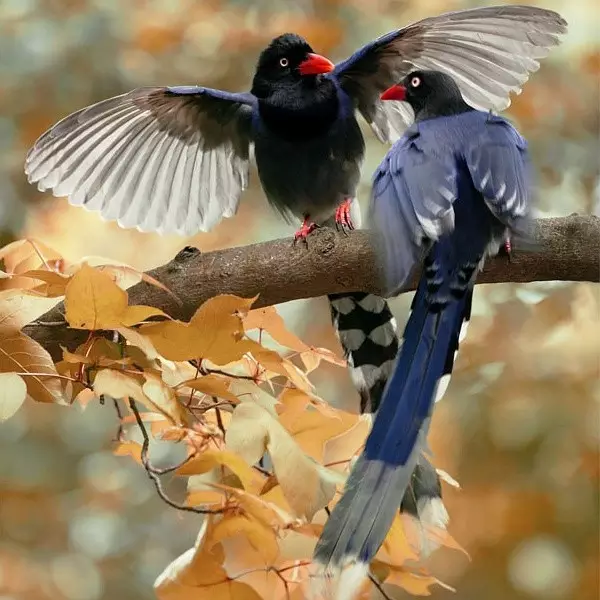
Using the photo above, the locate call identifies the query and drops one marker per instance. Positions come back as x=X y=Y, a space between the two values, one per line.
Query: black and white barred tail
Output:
x=368 y=334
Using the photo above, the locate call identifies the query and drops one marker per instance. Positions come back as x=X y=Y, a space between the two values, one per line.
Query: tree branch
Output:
x=569 y=250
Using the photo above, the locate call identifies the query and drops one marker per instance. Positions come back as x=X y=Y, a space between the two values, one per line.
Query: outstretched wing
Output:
x=489 y=52
x=499 y=167
x=412 y=205
x=171 y=160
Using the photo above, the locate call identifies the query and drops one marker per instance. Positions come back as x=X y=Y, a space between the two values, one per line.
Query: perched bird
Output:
x=176 y=159
x=448 y=191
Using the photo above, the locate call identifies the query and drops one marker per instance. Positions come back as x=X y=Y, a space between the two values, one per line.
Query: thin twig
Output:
x=119 y=436
x=154 y=475
x=379 y=587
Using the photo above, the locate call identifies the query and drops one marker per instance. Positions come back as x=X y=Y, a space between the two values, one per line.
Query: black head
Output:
x=430 y=94
x=287 y=60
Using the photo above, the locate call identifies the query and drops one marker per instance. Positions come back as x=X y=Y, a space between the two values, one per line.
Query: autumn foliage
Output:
x=264 y=456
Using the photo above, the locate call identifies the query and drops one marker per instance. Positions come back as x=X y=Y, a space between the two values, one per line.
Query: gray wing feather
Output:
x=153 y=158
x=489 y=51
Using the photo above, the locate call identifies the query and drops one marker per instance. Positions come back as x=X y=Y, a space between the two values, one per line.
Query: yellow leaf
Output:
x=135 y=338
x=414 y=583
x=312 y=430
x=13 y=392
x=396 y=549
x=303 y=481
x=204 y=498
x=93 y=300
x=196 y=568
x=248 y=432
x=272 y=361
x=269 y=320
x=18 y=308
x=213 y=458
x=346 y=445
x=214 y=332
x=212 y=385
x=129 y=448
x=20 y=354
x=261 y=538
x=76 y=359
x=119 y=385
x=26 y=255
x=163 y=399
x=313 y=357
x=138 y=312
x=265 y=512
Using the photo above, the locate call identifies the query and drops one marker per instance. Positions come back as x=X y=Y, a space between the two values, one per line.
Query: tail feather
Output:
x=360 y=522
x=368 y=334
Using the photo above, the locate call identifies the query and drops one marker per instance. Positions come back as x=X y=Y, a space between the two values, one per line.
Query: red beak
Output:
x=315 y=64
x=396 y=92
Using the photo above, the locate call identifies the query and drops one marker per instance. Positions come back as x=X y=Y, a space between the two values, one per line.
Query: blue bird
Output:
x=445 y=195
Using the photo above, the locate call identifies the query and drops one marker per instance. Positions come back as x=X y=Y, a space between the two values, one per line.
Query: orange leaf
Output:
x=197 y=567
x=204 y=498
x=76 y=359
x=396 y=549
x=306 y=485
x=212 y=385
x=129 y=448
x=163 y=399
x=55 y=283
x=214 y=332
x=26 y=255
x=210 y=459
x=313 y=357
x=265 y=512
x=138 y=312
x=20 y=354
x=261 y=538
x=269 y=320
x=414 y=583
x=17 y=308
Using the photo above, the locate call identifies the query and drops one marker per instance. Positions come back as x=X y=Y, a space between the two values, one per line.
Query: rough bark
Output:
x=568 y=249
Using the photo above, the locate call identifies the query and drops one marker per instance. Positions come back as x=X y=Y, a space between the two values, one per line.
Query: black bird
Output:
x=175 y=159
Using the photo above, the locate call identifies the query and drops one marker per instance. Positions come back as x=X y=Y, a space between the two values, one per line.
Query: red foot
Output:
x=305 y=230
x=508 y=248
x=342 y=215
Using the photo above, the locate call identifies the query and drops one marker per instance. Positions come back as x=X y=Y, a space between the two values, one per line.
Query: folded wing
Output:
x=412 y=205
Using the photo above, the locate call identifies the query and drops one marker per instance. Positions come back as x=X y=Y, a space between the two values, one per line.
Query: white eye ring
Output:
x=284 y=62
x=415 y=82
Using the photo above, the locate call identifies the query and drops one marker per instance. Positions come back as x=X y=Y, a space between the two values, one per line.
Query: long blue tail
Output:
x=368 y=334
x=376 y=486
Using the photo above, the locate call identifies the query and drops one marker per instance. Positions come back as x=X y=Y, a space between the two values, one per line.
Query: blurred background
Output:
x=520 y=425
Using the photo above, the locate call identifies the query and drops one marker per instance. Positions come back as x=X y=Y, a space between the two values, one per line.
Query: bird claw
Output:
x=305 y=230
x=343 y=219
x=506 y=249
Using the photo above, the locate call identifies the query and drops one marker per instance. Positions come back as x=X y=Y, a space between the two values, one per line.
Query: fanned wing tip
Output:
x=338 y=583
x=150 y=159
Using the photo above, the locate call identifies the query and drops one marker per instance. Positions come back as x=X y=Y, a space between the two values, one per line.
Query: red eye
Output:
x=415 y=82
